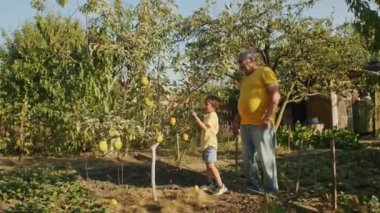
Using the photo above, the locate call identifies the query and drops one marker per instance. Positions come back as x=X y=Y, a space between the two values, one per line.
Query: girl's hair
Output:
x=214 y=100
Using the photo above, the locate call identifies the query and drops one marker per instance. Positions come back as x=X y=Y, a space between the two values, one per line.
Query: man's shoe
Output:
x=255 y=190
x=261 y=192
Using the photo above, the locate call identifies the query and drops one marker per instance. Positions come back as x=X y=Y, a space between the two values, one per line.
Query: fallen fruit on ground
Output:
x=159 y=138
x=103 y=146
x=173 y=121
x=117 y=144
x=196 y=188
x=113 y=202
x=185 y=136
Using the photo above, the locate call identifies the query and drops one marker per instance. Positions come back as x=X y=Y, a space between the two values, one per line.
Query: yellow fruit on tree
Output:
x=113 y=202
x=185 y=136
x=144 y=80
x=148 y=102
x=117 y=144
x=113 y=133
x=103 y=146
x=175 y=104
x=159 y=138
x=173 y=121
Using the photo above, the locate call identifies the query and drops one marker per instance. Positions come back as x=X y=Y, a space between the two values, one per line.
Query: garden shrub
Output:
x=344 y=139
x=46 y=190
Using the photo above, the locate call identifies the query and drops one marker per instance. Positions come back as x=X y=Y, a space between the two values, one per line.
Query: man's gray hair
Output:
x=246 y=54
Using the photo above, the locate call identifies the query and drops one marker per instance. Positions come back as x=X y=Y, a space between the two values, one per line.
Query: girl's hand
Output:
x=194 y=114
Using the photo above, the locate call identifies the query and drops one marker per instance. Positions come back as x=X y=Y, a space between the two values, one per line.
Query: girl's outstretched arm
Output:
x=199 y=122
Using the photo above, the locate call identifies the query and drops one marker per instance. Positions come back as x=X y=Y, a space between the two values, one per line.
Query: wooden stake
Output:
x=289 y=136
x=236 y=152
x=122 y=172
x=182 y=154
x=86 y=167
x=299 y=167
x=333 y=167
x=118 y=175
x=178 y=151
x=153 y=171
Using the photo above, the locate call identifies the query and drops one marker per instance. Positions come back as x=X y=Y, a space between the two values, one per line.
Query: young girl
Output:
x=209 y=143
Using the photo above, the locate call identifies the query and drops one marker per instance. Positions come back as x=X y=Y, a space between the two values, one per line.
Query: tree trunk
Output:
x=281 y=114
x=182 y=154
x=284 y=104
x=177 y=146
x=23 y=117
x=21 y=146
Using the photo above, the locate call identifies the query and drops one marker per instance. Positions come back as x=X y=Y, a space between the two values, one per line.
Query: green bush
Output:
x=46 y=190
x=373 y=204
x=283 y=135
x=344 y=139
x=305 y=134
x=299 y=133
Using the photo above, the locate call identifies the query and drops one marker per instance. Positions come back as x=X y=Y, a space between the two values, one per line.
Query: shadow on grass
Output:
x=136 y=171
x=358 y=172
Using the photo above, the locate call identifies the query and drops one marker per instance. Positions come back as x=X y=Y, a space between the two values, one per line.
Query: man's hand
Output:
x=236 y=125
x=236 y=128
x=275 y=96
x=265 y=123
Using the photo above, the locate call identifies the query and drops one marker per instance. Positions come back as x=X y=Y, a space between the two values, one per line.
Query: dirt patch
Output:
x=175 y=199
x=176 y=191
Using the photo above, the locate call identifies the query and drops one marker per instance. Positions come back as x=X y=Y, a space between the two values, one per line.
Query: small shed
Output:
x=359 y=111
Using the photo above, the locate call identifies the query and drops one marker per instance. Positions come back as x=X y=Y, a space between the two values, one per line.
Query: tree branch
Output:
x=300 y=98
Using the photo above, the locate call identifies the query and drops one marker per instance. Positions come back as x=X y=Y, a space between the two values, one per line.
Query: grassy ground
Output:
x=358 y=176
x=176 y=191
x=65 y=183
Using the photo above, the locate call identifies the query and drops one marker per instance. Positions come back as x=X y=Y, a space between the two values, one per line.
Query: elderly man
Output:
x=259 y=98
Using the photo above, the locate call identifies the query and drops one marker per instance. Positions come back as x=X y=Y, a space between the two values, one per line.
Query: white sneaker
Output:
x=220 y=190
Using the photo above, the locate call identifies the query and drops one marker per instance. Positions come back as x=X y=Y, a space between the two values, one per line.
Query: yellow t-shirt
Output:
x=208 y=137
x=254 y=98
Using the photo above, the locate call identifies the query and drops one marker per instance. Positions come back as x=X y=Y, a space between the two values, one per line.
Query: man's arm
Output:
x=275 y=97
x=237 y=118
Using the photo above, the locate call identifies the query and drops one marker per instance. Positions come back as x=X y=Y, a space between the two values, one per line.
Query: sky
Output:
x=14 y=13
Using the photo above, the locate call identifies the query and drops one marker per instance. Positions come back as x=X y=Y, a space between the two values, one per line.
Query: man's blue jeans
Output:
x=261 y=144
